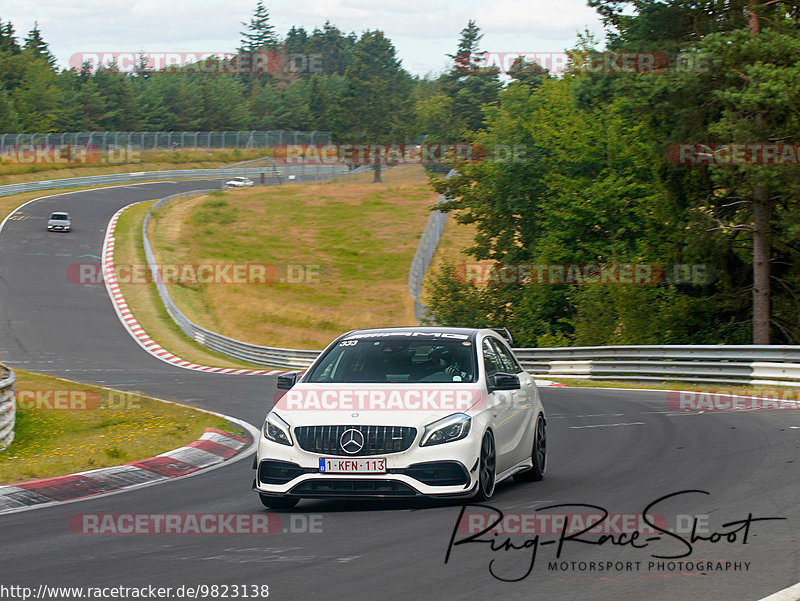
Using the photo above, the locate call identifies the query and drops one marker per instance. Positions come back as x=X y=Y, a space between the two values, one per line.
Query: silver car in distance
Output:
x=59 y=222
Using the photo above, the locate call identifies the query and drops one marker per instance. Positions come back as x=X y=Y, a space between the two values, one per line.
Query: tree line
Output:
x=326 y=79
x=673 y=166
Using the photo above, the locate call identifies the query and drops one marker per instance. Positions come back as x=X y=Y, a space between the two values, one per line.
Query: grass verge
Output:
x=63 y=427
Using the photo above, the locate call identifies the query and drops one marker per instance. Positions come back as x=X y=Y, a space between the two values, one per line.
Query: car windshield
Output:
x=399 y=359
x=60 y=216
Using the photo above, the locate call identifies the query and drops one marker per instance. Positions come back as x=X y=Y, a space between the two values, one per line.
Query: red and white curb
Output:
x=214 y=447
x=547 y=383
x=133 y=327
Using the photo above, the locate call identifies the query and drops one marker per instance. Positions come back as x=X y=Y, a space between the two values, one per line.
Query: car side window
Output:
x=490 y=361
x=507 y=359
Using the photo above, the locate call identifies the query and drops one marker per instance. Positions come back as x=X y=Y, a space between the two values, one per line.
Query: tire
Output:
x=487 y=470
x=538 y=455
x=278 y=502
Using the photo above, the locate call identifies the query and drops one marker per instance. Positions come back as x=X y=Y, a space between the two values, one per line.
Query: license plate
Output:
x=376 y=465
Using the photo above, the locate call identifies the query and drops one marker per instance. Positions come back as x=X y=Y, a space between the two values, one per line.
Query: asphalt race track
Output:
x=619 y=450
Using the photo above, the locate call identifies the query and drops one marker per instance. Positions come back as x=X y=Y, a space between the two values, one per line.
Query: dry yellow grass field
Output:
x=358 y=237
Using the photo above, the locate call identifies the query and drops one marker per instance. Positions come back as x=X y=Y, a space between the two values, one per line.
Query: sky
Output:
x=423 y=31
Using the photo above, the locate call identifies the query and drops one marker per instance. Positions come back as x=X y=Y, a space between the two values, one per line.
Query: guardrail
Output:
x=272 y=172
x=424 y=254
x=8 y=407
x=719 y=364
x=243 y=351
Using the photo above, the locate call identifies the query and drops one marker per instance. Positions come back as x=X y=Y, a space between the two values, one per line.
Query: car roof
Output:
x=59 y=213
x=420 y=331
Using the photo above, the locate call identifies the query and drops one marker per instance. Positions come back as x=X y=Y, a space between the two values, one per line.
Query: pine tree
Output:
x=468 y=56
x=8 y=39
x=260 y=33
x=470 y=84
x=37 y=46
x=374 y=105
x=296 y=40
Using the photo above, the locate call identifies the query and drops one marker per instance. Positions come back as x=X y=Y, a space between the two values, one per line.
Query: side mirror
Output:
x=287 y=381
x=503 y=381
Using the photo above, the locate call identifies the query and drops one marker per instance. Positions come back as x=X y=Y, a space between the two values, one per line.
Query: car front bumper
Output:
x=448 y=470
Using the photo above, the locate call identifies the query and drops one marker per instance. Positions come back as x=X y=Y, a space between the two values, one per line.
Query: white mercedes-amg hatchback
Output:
x=399 y=413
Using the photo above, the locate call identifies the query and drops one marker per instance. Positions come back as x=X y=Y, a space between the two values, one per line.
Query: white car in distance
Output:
x=239 y=182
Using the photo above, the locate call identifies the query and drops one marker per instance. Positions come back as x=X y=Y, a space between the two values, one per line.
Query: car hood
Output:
x=376 y=404
x=58 y=222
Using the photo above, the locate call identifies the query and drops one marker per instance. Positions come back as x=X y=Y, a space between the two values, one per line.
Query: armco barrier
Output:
x=722 y=364
x=272 y=174
x=8 y=407
x=424 y=254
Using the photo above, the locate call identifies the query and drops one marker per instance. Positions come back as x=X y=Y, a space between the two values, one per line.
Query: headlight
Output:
x=277 y=430
x=448 y=429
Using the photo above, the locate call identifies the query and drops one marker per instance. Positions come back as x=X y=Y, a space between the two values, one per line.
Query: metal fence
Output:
x=243 y=351
x=719 y=364
x=153 y=140
x=8 y=407
x=424 y=254
x=266 y=174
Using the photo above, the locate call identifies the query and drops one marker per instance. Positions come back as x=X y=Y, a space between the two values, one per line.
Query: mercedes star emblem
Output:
x=351 y=441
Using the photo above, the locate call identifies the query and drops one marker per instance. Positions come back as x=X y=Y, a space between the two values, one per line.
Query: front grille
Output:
x=378 y=440
x=353 y=488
